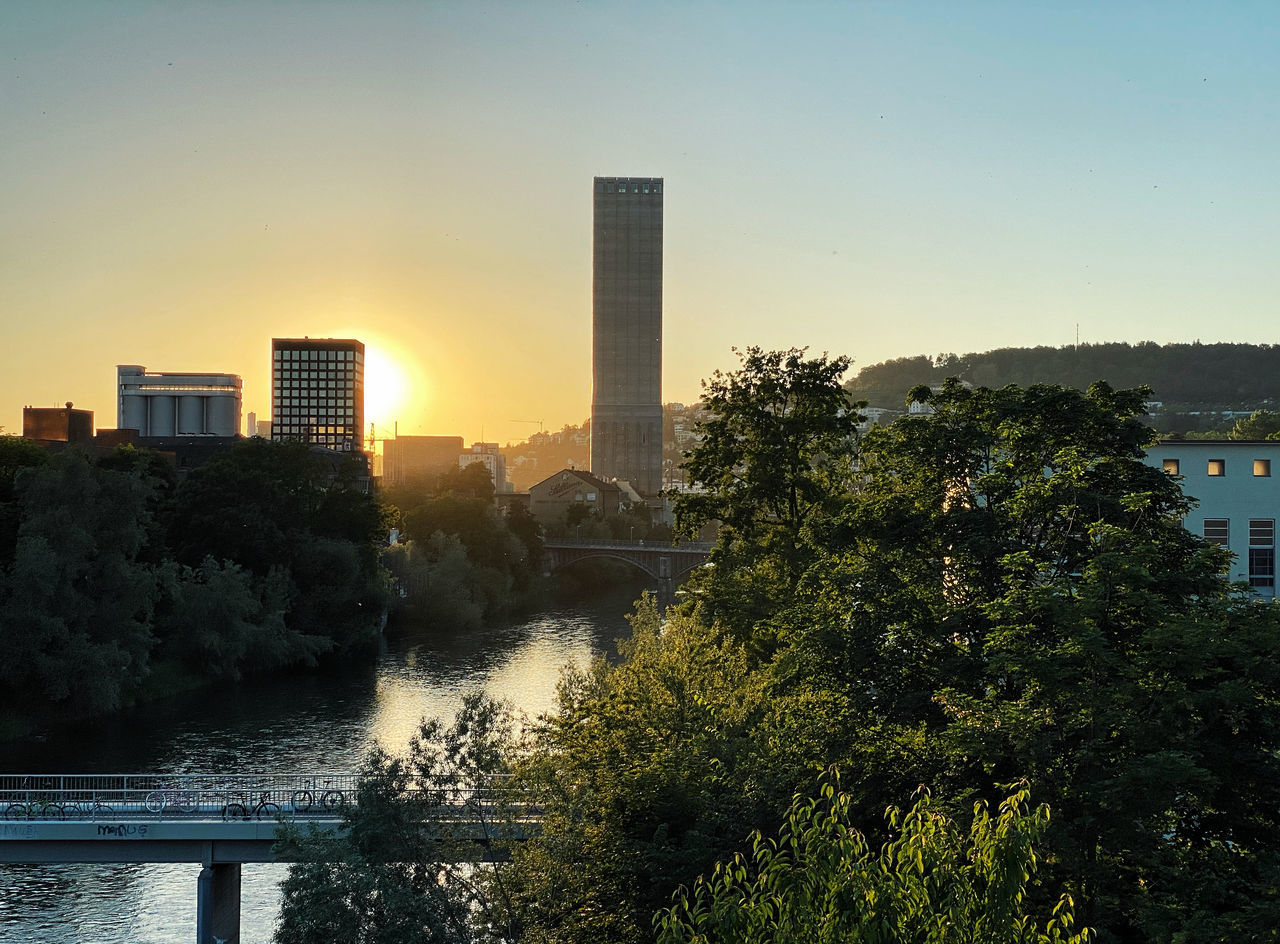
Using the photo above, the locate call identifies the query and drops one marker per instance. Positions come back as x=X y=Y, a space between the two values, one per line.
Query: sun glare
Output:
x=386 y=387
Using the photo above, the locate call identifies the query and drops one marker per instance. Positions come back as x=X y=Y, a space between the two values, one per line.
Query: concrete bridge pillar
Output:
x=218 y=904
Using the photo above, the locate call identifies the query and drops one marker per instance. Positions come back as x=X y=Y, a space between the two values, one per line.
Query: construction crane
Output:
x=539 y=422
x=374 y=438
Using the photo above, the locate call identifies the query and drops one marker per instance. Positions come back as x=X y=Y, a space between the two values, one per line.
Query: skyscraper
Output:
x=317 y=391
x=626 y=393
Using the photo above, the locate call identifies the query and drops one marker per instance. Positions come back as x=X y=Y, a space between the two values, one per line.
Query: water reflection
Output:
x=324 y=721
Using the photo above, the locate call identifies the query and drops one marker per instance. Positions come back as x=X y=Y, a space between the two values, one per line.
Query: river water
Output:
x=306 y=723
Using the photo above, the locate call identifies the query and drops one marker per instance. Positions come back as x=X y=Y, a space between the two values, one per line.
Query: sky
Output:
x=180 y=182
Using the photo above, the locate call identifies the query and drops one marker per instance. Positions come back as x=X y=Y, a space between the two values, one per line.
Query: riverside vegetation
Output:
x=119 y=583
x=995 y=601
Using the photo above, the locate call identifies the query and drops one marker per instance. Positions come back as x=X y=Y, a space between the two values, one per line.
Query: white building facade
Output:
x=158 y=403
x=1237 y=484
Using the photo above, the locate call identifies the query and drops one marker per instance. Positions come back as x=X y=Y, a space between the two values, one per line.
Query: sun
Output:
x=386 y=387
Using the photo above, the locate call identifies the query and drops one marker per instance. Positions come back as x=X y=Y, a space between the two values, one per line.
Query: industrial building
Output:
x=405 y=458
x=160 y=404
x=317 y=392
x=57 y=424
x=626 y=393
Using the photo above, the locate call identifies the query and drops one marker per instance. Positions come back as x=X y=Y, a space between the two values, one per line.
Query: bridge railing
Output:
x=696 y=547
x=158 y=796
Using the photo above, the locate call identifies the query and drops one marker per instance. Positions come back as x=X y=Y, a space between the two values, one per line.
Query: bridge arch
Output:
x=668 y=565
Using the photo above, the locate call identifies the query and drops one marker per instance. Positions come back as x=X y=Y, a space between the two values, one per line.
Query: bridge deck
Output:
x=219 y=819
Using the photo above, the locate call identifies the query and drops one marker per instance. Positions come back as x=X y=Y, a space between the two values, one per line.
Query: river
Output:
x=325 y=721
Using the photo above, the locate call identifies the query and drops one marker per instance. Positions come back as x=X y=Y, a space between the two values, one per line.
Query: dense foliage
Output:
x=996 y=591
x=119 y=582
x=1201 y=377
x=461 y=563
x=820 y=881
x=402 y=871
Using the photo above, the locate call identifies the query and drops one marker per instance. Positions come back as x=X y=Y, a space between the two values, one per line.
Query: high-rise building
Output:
x=626 y=323
x=317 y=391
x=167 y=404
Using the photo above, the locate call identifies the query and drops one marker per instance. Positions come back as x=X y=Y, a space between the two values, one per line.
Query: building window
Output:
x=1262 y=467
x=1171 y=466
x=1262 y=552
x=1217 y=466
x=1216 y=530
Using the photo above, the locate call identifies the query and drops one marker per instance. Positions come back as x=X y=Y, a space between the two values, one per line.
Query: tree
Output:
x=16 y=455
x=406 y=869
x=1260 y=424
x=1011 y=594
x=77 y=604
x=645 y=780
x=775 y=454
x=930 y=884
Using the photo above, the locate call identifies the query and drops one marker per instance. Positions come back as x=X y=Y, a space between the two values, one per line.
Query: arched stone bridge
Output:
x=666 y=564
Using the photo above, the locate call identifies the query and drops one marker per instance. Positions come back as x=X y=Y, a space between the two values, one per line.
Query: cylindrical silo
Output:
x=190 y=416
x=133 y=413
x=162 y=416
x=222 y=416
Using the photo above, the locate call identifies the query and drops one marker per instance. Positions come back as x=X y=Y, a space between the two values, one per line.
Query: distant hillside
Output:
x=1186 y=377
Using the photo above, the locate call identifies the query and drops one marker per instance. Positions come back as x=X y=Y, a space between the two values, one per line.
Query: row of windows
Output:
x=330 y=402
x=1262 y=546
x=295 y=376
x=1218 y=467
x=609 y=186
x=312 y=354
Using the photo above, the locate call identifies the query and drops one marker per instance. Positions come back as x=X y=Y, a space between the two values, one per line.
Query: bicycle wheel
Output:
x=333 y=800
x=155 y=801
x=235 y=811
x=269 y=810
x=302 y=800
x=16 y=811
x=186 y=802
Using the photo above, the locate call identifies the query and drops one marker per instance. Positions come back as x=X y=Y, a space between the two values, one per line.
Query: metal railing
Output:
x=152 y=796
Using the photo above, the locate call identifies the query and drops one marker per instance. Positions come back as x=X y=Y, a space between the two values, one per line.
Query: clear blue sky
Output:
x=180 y=182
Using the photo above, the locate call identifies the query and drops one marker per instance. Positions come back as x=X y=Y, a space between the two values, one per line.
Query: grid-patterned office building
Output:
x=626 y=394
x=317 y=392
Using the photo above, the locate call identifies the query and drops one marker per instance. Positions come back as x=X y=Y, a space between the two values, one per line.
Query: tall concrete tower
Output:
x=626 y=290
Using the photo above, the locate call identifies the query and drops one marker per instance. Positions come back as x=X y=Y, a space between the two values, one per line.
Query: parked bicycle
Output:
x=172 y=797
x=85 y=809
x=35 y=809
x=265 y=807
x=331 y=799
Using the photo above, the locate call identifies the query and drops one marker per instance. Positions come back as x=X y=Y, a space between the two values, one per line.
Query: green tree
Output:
x=1260 y=424
x=77 y=603
x=1011 y=594
x=931 y=883
x=775 y=454
x=16 y=455
x=408 y=866
x=644 y=778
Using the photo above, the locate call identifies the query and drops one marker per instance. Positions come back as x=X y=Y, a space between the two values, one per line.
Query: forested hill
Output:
x=1208 y=376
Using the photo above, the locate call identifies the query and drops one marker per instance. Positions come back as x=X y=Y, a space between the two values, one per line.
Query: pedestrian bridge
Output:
x=221 y=821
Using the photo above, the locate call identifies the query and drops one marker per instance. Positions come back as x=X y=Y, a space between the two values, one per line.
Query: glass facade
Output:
x=317 y=392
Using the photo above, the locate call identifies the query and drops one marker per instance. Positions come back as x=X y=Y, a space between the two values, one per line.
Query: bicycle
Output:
x=264 y=807
x=85 y=809
x=171 y=796
x=35 y=809
x=303 y=800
